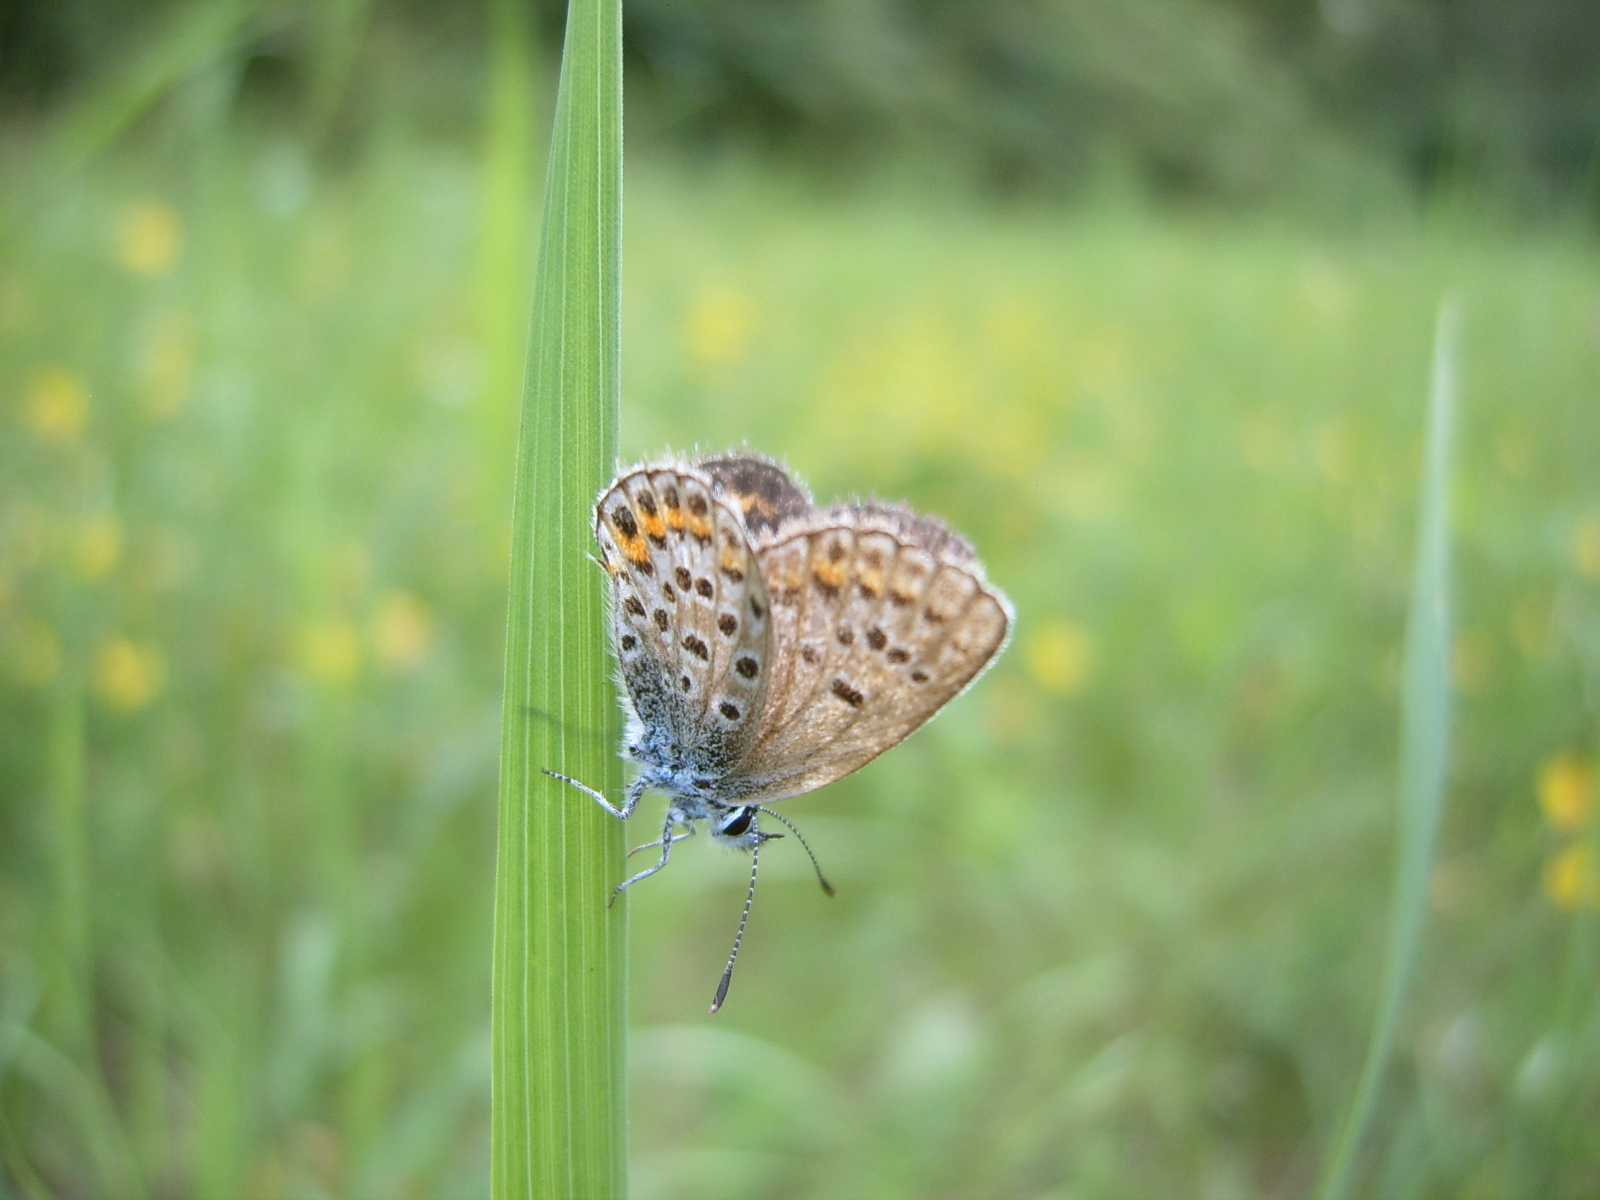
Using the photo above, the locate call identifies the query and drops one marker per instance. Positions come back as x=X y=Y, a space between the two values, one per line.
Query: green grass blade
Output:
x=559 y=1012
x=1424 y=752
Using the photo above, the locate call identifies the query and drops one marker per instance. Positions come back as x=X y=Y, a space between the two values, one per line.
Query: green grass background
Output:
x=1113 y=925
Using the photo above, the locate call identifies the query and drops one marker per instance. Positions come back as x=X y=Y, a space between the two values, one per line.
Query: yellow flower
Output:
x=1570 y=879
x=330 y=652
x=149 y=238
x=128 y=675
x=99 y=546
x=1060 y=657
x=1566 y=792
x=719 y=326
x=166 y=367
x=1586 y=548
x=402 y=631
x=36 y=654
x=57 y=405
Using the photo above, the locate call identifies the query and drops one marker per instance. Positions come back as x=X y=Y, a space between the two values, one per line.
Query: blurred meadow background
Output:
x=1139 y=296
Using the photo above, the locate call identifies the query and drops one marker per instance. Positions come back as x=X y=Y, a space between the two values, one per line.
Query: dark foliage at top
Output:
x=1239 y=99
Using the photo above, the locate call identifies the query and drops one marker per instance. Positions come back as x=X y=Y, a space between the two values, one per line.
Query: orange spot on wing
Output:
x=635 y=549
x=700 y=527
x=675 y=517
x=829 y=575
x=655 y=527
x=750 y=502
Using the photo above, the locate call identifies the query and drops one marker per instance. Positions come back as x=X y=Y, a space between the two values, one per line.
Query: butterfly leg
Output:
x=688 y=832
x=673 y=818
x=635 y=790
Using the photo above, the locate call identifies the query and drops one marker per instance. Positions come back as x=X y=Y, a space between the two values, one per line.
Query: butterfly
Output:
x=767 y=647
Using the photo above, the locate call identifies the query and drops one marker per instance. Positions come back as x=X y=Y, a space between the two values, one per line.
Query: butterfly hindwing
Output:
x=879 y=619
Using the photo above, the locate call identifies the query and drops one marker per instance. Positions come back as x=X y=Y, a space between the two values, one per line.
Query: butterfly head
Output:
x=736 y=828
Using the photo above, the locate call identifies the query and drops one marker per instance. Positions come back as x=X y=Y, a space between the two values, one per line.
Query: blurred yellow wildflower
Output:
x=98 y=546
x=719 y=326
x=1586 y=548
x=56 y=407
x=1566 y=792
x=1570 y=880
x=1060 y=657
x=128 y=675
x=330 y=651
x=402 y=631
x=166 y=367
x=36 y=654
x=149 y=238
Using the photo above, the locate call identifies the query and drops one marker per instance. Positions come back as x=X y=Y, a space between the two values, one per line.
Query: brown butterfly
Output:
x=768 y=647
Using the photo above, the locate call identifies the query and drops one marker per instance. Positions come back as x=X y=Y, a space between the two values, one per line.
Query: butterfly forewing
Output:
x=875 y=628
x=689 y=619
x=762 y=491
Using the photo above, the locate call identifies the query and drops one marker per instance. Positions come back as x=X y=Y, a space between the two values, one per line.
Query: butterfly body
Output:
x=767 y=647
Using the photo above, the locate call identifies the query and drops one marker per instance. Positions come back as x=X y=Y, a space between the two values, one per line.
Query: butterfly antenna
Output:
x=738 y=938
x=827 y=887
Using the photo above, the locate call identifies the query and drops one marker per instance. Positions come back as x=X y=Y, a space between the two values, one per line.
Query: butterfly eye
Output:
x=737 y=822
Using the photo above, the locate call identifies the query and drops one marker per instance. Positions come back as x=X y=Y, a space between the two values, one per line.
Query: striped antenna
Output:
x=744 y=920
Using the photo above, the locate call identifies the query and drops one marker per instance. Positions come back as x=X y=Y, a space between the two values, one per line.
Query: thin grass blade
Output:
x=559 y=1011
x=1424 y=753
